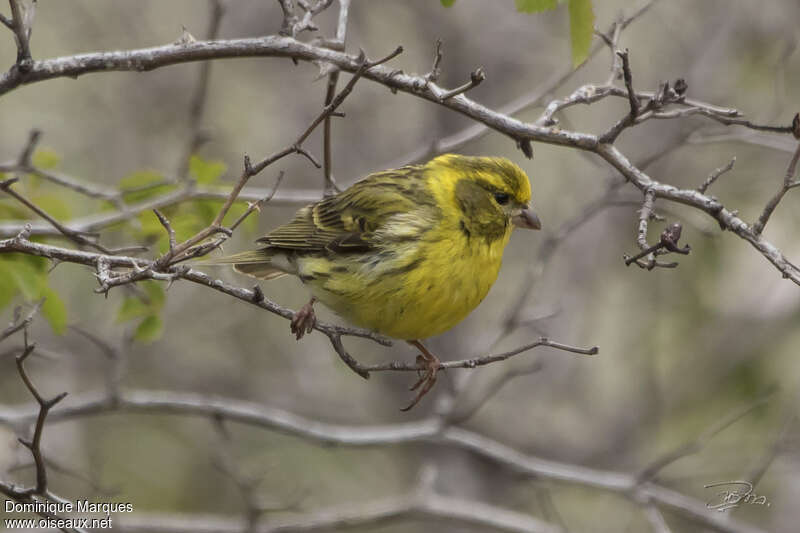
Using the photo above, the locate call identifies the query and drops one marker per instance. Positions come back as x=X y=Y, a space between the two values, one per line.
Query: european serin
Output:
x=408 y=253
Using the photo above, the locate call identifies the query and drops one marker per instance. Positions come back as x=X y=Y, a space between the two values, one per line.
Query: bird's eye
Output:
x=501 y=198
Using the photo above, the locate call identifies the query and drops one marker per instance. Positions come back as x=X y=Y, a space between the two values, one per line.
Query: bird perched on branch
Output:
x=408 y=253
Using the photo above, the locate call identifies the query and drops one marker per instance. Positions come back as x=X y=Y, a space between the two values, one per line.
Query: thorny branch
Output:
x=521 y=133
x=34 y=444
x=788 y=181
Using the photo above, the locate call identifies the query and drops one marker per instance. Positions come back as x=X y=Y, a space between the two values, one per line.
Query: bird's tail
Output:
x=255 y=263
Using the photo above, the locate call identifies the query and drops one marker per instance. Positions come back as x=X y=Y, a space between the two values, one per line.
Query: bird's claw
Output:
x=304 y=320
x=427 y=378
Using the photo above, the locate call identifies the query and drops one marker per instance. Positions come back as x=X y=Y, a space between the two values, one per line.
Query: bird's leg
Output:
x=304 y=319
x=427 y=378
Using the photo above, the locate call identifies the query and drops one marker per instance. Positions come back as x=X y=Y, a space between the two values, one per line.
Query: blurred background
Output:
x=680 y=349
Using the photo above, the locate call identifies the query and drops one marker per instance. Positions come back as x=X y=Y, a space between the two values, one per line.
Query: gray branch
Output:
x=431 y=430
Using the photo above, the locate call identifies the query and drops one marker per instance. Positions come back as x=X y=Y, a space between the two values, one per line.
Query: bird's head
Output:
x=489 y=193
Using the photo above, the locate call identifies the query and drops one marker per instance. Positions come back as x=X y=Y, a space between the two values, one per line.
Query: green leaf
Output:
x=8 y=288
x=13 y=210
x=155 y=293
x=206 y=172
x=149 y=329
x=131 y=308
x=186 y=225
x=448 y=3
x=142 y=185
x=53 y=205
x=206 y=210
x=581 y=29
x=30 y=282
x=45 y=159
x=535 y=6
x=28 y=275
x=54 y=310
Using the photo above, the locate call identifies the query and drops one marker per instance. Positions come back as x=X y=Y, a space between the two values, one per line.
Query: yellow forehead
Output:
x=499 y=172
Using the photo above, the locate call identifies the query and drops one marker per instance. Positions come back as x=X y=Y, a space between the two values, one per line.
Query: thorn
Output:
x=525 y=146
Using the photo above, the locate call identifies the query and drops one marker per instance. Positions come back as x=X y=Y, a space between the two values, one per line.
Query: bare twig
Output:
x=329 y=185
x=197 y=107
x=21 y=24
x=475 y=79
x=715 y=175
x=788 y=183
x=633 y=101
x=656 y=519
x=695 y=445
x=35 y=444
x=170 y=232
x=667 y=243
x=258 y=204
x=75 y=236
x=436 y=71
x=97 y=222
x=21 y=323
x=294 y=24
x=483 y=360
x=24 y=165
x=475 y=131
x=645 y=213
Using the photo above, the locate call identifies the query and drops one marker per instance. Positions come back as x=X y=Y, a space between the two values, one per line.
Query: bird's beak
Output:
x=527 y=219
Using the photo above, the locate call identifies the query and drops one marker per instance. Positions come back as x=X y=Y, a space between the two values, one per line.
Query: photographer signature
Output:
x=737 y=492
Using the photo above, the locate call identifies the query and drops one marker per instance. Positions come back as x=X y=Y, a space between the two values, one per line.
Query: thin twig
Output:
x=196 y=136
x=475 y=78
x=633 y=102
x=170 y=232
x=75 y=236
x=35 y=444
x=788 y=183
x=695 y=445
x=483 y=360
x=715 y=175
x=20 y=24
x=258 y=204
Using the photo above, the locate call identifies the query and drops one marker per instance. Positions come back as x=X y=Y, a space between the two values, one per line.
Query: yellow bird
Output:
x=408 y=253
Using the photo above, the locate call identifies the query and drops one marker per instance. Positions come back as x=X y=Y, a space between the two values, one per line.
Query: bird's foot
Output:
x=304 y=320
x=427 y=374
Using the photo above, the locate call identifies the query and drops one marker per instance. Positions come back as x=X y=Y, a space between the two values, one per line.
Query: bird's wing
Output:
x=353 y=220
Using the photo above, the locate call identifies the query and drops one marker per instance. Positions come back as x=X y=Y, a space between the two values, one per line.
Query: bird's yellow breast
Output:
x=413 y=291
